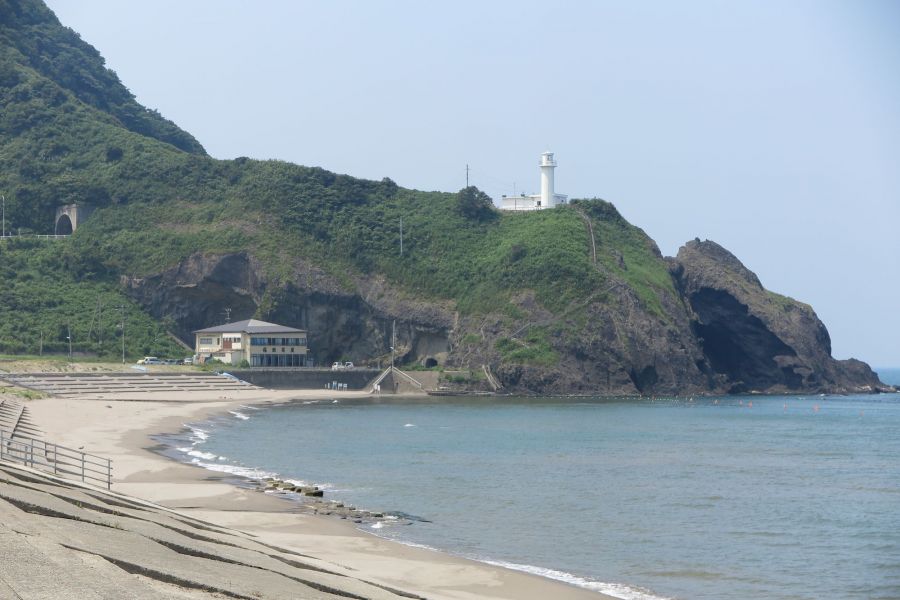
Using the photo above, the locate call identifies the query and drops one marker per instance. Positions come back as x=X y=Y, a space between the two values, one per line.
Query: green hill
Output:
x=574 y=298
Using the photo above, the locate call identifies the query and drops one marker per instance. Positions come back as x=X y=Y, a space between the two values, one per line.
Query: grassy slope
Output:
x=40 y=297
x=158 y=204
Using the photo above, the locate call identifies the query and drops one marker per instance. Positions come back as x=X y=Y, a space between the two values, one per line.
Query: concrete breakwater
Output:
x=305 y=378
x=314 y=500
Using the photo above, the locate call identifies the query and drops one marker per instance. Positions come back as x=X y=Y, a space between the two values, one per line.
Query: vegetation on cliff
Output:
x=43 y=304
x=68 y=134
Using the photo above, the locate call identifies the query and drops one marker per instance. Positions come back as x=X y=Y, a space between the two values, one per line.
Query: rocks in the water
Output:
x=320 y=506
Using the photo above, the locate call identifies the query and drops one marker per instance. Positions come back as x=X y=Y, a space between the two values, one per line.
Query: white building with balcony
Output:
x=261 y=344
x=548 y=198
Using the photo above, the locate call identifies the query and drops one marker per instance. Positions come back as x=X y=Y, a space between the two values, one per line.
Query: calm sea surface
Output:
x=729 y=498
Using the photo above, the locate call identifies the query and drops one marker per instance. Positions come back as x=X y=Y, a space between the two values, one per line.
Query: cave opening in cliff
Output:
x=737 y=343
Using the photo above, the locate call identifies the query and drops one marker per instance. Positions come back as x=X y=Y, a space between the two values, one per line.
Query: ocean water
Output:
x=889 y=376
x=713 y=498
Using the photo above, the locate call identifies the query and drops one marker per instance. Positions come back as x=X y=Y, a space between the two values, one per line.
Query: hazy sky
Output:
x=772 y=128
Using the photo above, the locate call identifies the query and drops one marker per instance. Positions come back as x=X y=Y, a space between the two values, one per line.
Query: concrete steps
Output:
x=15 y=419
x=75 y=384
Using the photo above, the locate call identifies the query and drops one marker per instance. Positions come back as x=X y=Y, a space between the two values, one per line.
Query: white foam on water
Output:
x=617 y=590
x=248 y=472
x=410 y=425
x=197 y=434
x=239 y=415
x=248 y=407
x=202 y=455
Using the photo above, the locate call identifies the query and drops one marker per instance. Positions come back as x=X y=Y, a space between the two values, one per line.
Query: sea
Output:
x=777 y=497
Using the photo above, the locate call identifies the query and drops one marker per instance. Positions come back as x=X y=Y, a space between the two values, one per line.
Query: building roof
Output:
x=250 y=326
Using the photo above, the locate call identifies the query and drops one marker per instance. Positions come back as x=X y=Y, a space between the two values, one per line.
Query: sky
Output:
x=770 y=127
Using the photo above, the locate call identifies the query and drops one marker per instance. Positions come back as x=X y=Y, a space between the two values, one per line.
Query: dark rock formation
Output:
x=342 y=325
x=756 y=340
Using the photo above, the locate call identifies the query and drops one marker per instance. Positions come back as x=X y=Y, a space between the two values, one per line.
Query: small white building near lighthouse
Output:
x=548 y=198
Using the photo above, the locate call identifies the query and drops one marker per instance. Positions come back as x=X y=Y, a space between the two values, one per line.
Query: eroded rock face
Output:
x=755 y=339
x=342 y=325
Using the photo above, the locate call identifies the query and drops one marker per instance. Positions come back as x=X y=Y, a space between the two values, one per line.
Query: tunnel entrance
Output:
x=63 y=225
x=430 y=362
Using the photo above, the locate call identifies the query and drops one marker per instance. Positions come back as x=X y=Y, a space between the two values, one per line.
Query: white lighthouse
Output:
x=548 y=198
x=547 y=167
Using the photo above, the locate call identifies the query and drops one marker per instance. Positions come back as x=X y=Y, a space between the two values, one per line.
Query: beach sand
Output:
x=119 y=427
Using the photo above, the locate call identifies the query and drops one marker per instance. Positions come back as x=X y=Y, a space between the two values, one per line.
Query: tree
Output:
x=472 y=203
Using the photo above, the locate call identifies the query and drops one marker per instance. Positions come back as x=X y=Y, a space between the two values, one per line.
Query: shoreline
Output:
x=123 y=428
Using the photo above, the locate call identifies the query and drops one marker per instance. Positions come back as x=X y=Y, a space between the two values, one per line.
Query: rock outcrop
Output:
x=754 y=339
x=343 y=325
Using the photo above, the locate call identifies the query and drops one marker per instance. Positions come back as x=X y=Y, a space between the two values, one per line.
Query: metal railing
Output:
x=56 y=459
x=40 y=236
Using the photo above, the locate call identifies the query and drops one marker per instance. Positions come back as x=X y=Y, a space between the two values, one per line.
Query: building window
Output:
x=206 y=341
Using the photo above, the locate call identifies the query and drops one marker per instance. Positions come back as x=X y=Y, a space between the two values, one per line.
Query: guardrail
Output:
x=42 y=236
x=56 y=459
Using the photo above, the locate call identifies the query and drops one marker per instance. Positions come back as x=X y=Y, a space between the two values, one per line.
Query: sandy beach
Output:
x=119 y=427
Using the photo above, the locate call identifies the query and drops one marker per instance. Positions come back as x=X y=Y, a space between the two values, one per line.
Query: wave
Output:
x=201 y=455
x=197 y=435
x=239 y=415
x=617 y=590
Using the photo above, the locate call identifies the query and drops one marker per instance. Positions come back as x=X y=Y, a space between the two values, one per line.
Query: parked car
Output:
x=149 y=360
x=338 y=366
x=188 y=361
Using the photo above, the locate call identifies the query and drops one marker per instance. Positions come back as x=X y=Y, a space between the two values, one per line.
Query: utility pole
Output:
x=3 y=231
x=393 y=341
x=100 y=323
x=69 y=337
x=41 y=346
x=401 y=236
x=123 y=333
x=227 y=312
x=467 y=174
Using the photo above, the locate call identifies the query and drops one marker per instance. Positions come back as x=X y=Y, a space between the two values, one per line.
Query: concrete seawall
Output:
x=305 y=378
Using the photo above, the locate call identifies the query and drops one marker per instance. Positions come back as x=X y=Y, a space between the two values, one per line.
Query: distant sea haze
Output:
x=889 y=376
x=715 y=498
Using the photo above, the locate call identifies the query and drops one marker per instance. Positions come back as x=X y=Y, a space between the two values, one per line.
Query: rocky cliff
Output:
x=755 y=339
x=722 y=332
